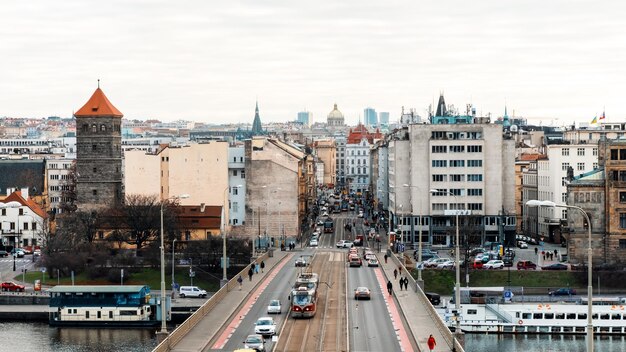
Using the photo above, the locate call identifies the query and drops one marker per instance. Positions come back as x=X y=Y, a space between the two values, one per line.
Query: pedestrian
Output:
x=555 y=253
x=431 y=343
x=389 y=286
x=386 y=256
x=536 y=250
x=256 y=268
x=395 y=273
x=406 y=283
x=250 y=272
x=262 y=265
x=240 y=281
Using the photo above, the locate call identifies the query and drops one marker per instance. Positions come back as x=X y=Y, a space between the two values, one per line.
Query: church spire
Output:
x=441 y=106
x=257 y=128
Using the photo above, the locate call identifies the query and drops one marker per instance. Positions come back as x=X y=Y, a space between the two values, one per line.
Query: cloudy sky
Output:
x=559 y=60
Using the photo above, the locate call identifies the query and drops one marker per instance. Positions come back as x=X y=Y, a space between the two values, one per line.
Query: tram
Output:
x=304 y=296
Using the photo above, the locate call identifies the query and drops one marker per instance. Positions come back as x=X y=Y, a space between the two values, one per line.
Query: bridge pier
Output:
x=161 y=335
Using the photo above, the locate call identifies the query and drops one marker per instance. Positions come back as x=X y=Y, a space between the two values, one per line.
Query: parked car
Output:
x=3 y=253
x=265 y=326
x=522 y=245
x=434 y=298
x=274 y=307
x=494 y=264
x=300 y=262
x=343 y=244
x=255 y=342
x=448 y=264
x=478 y=264
x=12 y=286
x=313 y=242
x=508 y=261
x=191 y=291
x=526 y=265
x=562 y=292
x=362 y=293
x=18 y=253
x=434 y=262
x=555 y=266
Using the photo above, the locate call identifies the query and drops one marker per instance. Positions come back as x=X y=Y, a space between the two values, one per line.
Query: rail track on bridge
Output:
x=326 y=331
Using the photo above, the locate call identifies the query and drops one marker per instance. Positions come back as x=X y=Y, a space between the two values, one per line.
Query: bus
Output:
x=304 y=296
x=329 y=225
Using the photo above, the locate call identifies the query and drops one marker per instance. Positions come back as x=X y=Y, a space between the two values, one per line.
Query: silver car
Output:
x=274 y=307
x=255 y=342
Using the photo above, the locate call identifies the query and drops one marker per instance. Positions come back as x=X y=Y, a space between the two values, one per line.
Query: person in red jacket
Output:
x=431 y=343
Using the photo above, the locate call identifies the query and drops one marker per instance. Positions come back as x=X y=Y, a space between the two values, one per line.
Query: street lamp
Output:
x=173 y=262
x=547 y=203
x=223 y=230
x=457 y=293
x=163 y=320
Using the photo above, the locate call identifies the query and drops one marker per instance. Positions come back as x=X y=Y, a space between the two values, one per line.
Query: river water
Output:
x=38 y=337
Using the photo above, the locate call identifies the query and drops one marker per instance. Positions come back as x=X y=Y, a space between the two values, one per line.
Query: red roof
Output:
x=359 y=132
x=531 y=157
x=17 y=197
x=98 y=105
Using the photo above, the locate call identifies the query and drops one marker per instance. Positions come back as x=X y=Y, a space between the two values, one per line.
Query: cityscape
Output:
x=314 y=177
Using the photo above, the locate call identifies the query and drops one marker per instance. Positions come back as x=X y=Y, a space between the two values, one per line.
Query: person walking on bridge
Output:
x=431 y=343
x=250 y=272
x=262 y=266
x=395 y=273
x=389 y=287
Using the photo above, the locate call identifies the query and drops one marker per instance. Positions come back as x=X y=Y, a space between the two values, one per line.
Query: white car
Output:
x=313 y=242
x=448 y=264
x=274 y=307
x=265 y=326
x=434 y=262
x=494 y=264
x=522 y=244
x=344 y=244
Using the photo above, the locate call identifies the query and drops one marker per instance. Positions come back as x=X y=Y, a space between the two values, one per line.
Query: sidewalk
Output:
x=209 y=327
x=419 y=321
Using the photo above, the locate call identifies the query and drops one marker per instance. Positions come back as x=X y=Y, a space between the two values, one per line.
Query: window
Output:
x=439 y=149
x=564 y=166
x=441 y=206
x=565 y=152
x=94 y=128
x=622 y=197
x=622 y=243
x=456 y=191
x=94 y=148
x=474 y=163
x=103 y=128
x=622 y=220
x=94 y=192
x=457 y=148
x=622 y=154
x=235 y=207
x=595 y=151
x=438 y=163
x=475 y=206
x=95 y=170
x=243 y=173
x=474 y=148
x=457 y=178
x=580 y=166
x=580 y=151
x=234 y=172
x=474 y=178
x=472 y=311
x=457 y=163
x=595 y=166
x=564 y=197
x=613 y=154
x=440 y=178
x=475 y=192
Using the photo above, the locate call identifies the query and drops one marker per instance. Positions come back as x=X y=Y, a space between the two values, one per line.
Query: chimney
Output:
x=25 y=193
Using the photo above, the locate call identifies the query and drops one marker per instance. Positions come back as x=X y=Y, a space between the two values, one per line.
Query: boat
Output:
x=537 y=318
x=105 y=306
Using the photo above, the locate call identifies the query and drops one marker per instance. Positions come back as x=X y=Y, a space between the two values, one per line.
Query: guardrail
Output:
x=439 y=323
x=181 y=331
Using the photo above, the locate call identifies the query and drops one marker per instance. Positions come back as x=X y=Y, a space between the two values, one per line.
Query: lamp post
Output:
x=457 y=262
x=163 y=318
x=173 y=262
x=547 y=203
x=224 y=280
x=419 y=254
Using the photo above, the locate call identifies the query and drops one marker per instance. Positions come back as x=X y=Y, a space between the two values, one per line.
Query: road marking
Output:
x=401 y=335
x=241 y=314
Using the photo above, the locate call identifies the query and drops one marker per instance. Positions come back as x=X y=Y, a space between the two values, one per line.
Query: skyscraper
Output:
x=383 y=118
x=370 y=117
x=305 y=117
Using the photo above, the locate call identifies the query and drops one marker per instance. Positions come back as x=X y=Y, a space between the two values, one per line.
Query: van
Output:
x=191 y=291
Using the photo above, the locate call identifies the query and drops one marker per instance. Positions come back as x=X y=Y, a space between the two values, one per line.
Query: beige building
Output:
x=199 y=170
x=326 y=151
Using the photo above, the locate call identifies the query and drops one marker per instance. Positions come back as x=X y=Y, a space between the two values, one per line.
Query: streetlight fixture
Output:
x=173 y=262
x=457 y=293
x=163 y=317
x=224 y=280
x=547 y=203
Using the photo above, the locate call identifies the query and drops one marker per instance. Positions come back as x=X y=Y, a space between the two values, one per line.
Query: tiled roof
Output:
x=531 y=157
x=98 y=105
x=17 y=197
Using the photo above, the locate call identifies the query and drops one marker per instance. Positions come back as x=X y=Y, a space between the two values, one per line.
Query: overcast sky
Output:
x=561 y=60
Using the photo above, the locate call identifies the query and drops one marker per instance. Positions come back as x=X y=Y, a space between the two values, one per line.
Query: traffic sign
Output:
x=43 y=270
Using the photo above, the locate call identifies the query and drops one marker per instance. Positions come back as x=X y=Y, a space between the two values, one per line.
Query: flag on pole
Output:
x=595 y=120
x=602 y=117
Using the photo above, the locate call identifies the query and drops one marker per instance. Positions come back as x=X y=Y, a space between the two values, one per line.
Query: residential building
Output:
x=25 y=224
x=326 y=151
x=340 y=145
x=357 y=159
x=99 y=153
x=237 y=184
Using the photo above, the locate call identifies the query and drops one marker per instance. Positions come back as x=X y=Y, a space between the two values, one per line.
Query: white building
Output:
x=237 y=185
x=473 y=168
x=58 y=174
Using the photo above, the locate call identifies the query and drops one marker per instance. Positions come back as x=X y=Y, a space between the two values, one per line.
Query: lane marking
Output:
x=252 y=298
x=396 y=321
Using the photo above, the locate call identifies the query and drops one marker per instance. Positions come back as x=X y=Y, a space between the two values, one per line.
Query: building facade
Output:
x=370 y=117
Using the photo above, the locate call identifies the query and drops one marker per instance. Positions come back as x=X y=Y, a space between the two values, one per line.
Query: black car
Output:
x=3 y=253
x=562 y=292
x=434 y=298
x=508 y=261
x=555 y=266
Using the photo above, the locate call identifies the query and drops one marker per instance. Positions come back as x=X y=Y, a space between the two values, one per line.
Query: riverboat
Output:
x=104 y=306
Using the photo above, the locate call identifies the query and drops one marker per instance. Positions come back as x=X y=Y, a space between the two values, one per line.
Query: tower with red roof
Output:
x=99 y=153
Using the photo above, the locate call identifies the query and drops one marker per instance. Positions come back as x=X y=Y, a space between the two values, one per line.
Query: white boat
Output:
x=537 y=318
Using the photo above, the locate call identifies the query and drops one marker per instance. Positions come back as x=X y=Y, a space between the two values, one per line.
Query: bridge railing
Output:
x=183 y=329
x=439 y=323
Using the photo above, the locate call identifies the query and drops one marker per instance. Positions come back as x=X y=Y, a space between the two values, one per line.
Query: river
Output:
x=541 y=343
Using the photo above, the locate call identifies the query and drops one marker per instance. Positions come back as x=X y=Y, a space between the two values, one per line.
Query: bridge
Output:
x=405 y=319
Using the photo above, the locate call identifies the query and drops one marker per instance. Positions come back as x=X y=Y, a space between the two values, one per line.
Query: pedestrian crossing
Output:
x=16 y=260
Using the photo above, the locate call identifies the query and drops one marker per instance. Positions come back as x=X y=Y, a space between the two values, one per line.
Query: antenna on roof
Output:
x=98 y=83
